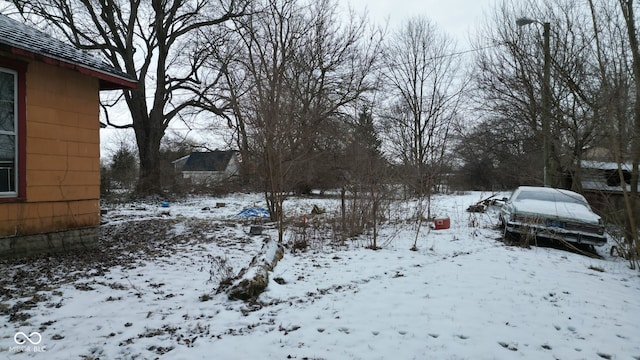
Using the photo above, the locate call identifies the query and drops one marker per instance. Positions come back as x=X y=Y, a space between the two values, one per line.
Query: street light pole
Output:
x=546 y=99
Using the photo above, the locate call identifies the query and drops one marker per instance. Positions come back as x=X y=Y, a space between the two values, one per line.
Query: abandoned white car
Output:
x=551 y=213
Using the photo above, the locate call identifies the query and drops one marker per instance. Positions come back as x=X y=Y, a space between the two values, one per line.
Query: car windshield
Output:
x=554 y=196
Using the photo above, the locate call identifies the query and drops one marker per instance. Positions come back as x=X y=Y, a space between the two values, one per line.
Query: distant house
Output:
x=207 y=168
x=49 y=141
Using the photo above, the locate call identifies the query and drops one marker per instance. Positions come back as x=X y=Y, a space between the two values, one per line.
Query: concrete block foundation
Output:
x=53 y=242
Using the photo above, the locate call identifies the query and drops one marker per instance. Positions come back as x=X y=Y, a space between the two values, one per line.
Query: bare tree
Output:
x=578 y=127
x=149 y=40
x=270 y=38
x=627 y=9
x=366 y=176
x=506 y=90
x=301 y=68
x=618 y=63
x=510 y=80
x=421 y=69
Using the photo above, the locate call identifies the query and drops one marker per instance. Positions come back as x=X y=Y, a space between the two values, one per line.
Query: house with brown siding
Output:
x=49 y=141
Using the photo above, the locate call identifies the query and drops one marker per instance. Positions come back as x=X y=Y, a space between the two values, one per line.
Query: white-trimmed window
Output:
x=8 y=133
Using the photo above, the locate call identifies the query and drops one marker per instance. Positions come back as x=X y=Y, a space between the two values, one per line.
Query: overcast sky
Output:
x=456 y=17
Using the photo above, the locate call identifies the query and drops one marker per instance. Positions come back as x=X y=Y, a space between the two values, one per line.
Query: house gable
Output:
x=56 y=205
x=208 y=167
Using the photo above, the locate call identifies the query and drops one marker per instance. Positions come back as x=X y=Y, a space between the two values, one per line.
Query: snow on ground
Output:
x=149 y=292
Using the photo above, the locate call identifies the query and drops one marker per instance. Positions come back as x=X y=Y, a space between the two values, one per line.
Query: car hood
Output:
x=560 y=210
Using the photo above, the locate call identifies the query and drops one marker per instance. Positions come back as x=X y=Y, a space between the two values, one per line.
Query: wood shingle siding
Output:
x=57 y=206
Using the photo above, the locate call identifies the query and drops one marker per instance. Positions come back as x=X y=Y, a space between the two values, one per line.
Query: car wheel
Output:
x=510 y=237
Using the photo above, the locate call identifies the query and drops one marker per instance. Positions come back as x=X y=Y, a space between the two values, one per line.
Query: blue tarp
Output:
x=255 y=212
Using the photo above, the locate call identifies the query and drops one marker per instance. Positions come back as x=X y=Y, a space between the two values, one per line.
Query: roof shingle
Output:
x=208 y=161
x=37 y=44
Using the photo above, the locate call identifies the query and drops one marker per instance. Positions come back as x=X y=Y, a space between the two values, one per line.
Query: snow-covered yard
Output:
x=149 y=292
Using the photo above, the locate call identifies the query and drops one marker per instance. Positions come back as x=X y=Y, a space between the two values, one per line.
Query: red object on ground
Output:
x=442 y=223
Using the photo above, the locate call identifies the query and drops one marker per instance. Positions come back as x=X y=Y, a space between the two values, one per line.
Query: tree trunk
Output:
x=149 y=130
x=149 y=181
x=632 y=231
x=343 y=209
x=374 y=218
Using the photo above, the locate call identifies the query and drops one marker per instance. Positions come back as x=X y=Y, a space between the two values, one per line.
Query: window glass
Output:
x=8 y=139
x=553 y=196
x=7 y=101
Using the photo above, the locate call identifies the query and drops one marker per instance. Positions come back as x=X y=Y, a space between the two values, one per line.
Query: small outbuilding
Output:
x=49 y=141
x=604 y=188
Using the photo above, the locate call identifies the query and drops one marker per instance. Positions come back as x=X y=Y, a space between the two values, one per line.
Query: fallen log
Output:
x=252 y=280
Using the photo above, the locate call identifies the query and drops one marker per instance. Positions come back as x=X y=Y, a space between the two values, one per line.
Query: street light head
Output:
x=525 y=21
